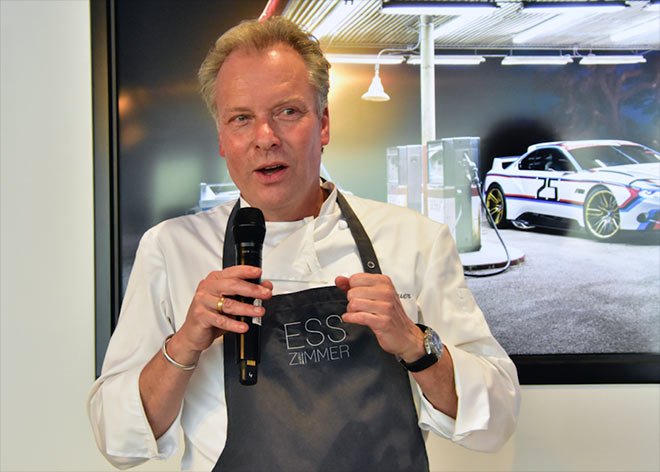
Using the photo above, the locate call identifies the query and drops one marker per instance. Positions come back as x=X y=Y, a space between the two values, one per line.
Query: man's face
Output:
x=270 y=132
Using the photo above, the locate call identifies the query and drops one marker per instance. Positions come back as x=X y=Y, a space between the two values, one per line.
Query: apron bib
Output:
x=328 y=397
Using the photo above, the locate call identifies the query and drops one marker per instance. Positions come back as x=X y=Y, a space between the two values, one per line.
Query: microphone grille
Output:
x=249 y=226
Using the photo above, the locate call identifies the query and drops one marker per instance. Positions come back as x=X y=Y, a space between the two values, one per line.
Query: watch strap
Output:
x=424 y=362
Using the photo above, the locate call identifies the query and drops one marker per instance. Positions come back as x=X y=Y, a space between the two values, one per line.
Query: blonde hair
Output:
x=258 y=36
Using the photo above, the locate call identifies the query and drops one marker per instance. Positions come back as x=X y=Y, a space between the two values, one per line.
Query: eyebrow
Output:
x=292 y=98
x=237 y=109
x=297 y=99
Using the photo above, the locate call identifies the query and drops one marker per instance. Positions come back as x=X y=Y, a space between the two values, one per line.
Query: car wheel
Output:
x=496 y=206
x=601 y=214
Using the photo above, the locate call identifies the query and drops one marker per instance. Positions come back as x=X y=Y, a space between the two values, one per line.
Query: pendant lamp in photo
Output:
x=376 y=93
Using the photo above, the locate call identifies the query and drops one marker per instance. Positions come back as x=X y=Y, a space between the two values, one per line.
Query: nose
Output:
x=266 y=137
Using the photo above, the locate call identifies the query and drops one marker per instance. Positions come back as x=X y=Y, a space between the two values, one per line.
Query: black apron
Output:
x=328 y=397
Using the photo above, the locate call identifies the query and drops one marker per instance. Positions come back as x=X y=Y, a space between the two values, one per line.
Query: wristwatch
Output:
x=433 y=348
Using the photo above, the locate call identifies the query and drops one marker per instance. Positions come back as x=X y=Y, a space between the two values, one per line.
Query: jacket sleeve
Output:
x=486 y=379
x=115 y=410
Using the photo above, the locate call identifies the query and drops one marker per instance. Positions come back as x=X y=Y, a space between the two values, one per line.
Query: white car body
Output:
x=553 y=180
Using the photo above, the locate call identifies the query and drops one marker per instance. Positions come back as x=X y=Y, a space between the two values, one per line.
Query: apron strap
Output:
x=365 y=248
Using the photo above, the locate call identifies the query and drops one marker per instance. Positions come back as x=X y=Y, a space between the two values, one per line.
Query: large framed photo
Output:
x=579 y=302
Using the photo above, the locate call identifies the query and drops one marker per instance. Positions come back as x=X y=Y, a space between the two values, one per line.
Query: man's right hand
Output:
x=162 y=384
x=204 y=323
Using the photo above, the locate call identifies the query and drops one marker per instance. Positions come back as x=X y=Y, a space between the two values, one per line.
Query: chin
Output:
x=271 y=205
x=285 y=204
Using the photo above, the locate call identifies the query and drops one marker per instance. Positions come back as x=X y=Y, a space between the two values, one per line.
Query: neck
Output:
x=289 y=214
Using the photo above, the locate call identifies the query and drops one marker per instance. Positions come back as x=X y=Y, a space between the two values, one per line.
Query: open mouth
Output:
x=270 y=170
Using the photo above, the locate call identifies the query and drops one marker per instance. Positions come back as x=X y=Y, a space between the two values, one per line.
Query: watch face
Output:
x=432 y=342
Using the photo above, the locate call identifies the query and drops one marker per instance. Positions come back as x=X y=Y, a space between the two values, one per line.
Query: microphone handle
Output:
x=247 y=345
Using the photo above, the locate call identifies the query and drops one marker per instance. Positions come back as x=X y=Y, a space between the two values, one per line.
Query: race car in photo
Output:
x=602 y=185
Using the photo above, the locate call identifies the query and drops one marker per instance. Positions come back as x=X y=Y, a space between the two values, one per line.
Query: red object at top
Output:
x=269 y=10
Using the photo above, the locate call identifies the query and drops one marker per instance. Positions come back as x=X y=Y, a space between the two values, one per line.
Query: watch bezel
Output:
x=432 y=342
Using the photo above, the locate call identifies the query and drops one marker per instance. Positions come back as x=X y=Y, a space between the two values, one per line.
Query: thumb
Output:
x=342 y=283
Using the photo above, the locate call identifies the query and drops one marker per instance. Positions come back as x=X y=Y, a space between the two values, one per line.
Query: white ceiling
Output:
x=362 y=25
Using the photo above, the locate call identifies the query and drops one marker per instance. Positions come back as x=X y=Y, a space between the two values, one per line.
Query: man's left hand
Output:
x=374 y=302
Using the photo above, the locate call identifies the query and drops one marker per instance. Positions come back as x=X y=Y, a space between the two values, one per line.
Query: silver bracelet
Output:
x=172 y=361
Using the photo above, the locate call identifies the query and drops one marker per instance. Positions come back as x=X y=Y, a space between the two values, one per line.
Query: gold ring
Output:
x=220 y=302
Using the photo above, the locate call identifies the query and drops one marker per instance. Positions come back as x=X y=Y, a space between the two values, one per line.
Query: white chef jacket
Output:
x=419 y=256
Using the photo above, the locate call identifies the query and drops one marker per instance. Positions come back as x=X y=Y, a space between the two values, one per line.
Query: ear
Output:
x=325 y=127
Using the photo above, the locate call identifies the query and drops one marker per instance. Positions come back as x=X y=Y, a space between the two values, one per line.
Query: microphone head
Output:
x=249 y=226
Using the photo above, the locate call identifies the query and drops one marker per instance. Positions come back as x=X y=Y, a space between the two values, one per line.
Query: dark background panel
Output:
x=163 y=142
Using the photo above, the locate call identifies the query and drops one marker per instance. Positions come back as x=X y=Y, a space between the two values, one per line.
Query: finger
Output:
x=376 y=292
x=369 y=280
x=342 y=283
x=237 y=271
x=234 y=287
x=239 y=308
x=362 y=318
x=227 y=323
x=268 y=284
x=225 y=320
x=376 y=307
x=204 y=323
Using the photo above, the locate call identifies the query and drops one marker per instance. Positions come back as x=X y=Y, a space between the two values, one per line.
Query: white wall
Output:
x=46 y=238
x=46 y=276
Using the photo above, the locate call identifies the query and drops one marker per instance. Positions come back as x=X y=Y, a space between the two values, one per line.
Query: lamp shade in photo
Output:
x=376 y=93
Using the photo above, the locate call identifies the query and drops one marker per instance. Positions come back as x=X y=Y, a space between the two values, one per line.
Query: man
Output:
x=340 y=308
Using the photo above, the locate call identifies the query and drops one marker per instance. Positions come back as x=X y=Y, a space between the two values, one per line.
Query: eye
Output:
x=239 y=118
x=289 y=111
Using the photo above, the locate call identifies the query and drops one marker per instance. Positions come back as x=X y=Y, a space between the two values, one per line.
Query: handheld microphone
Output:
x=249 y=231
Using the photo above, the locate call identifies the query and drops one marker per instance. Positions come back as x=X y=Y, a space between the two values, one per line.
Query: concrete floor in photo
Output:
x=570 y=294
